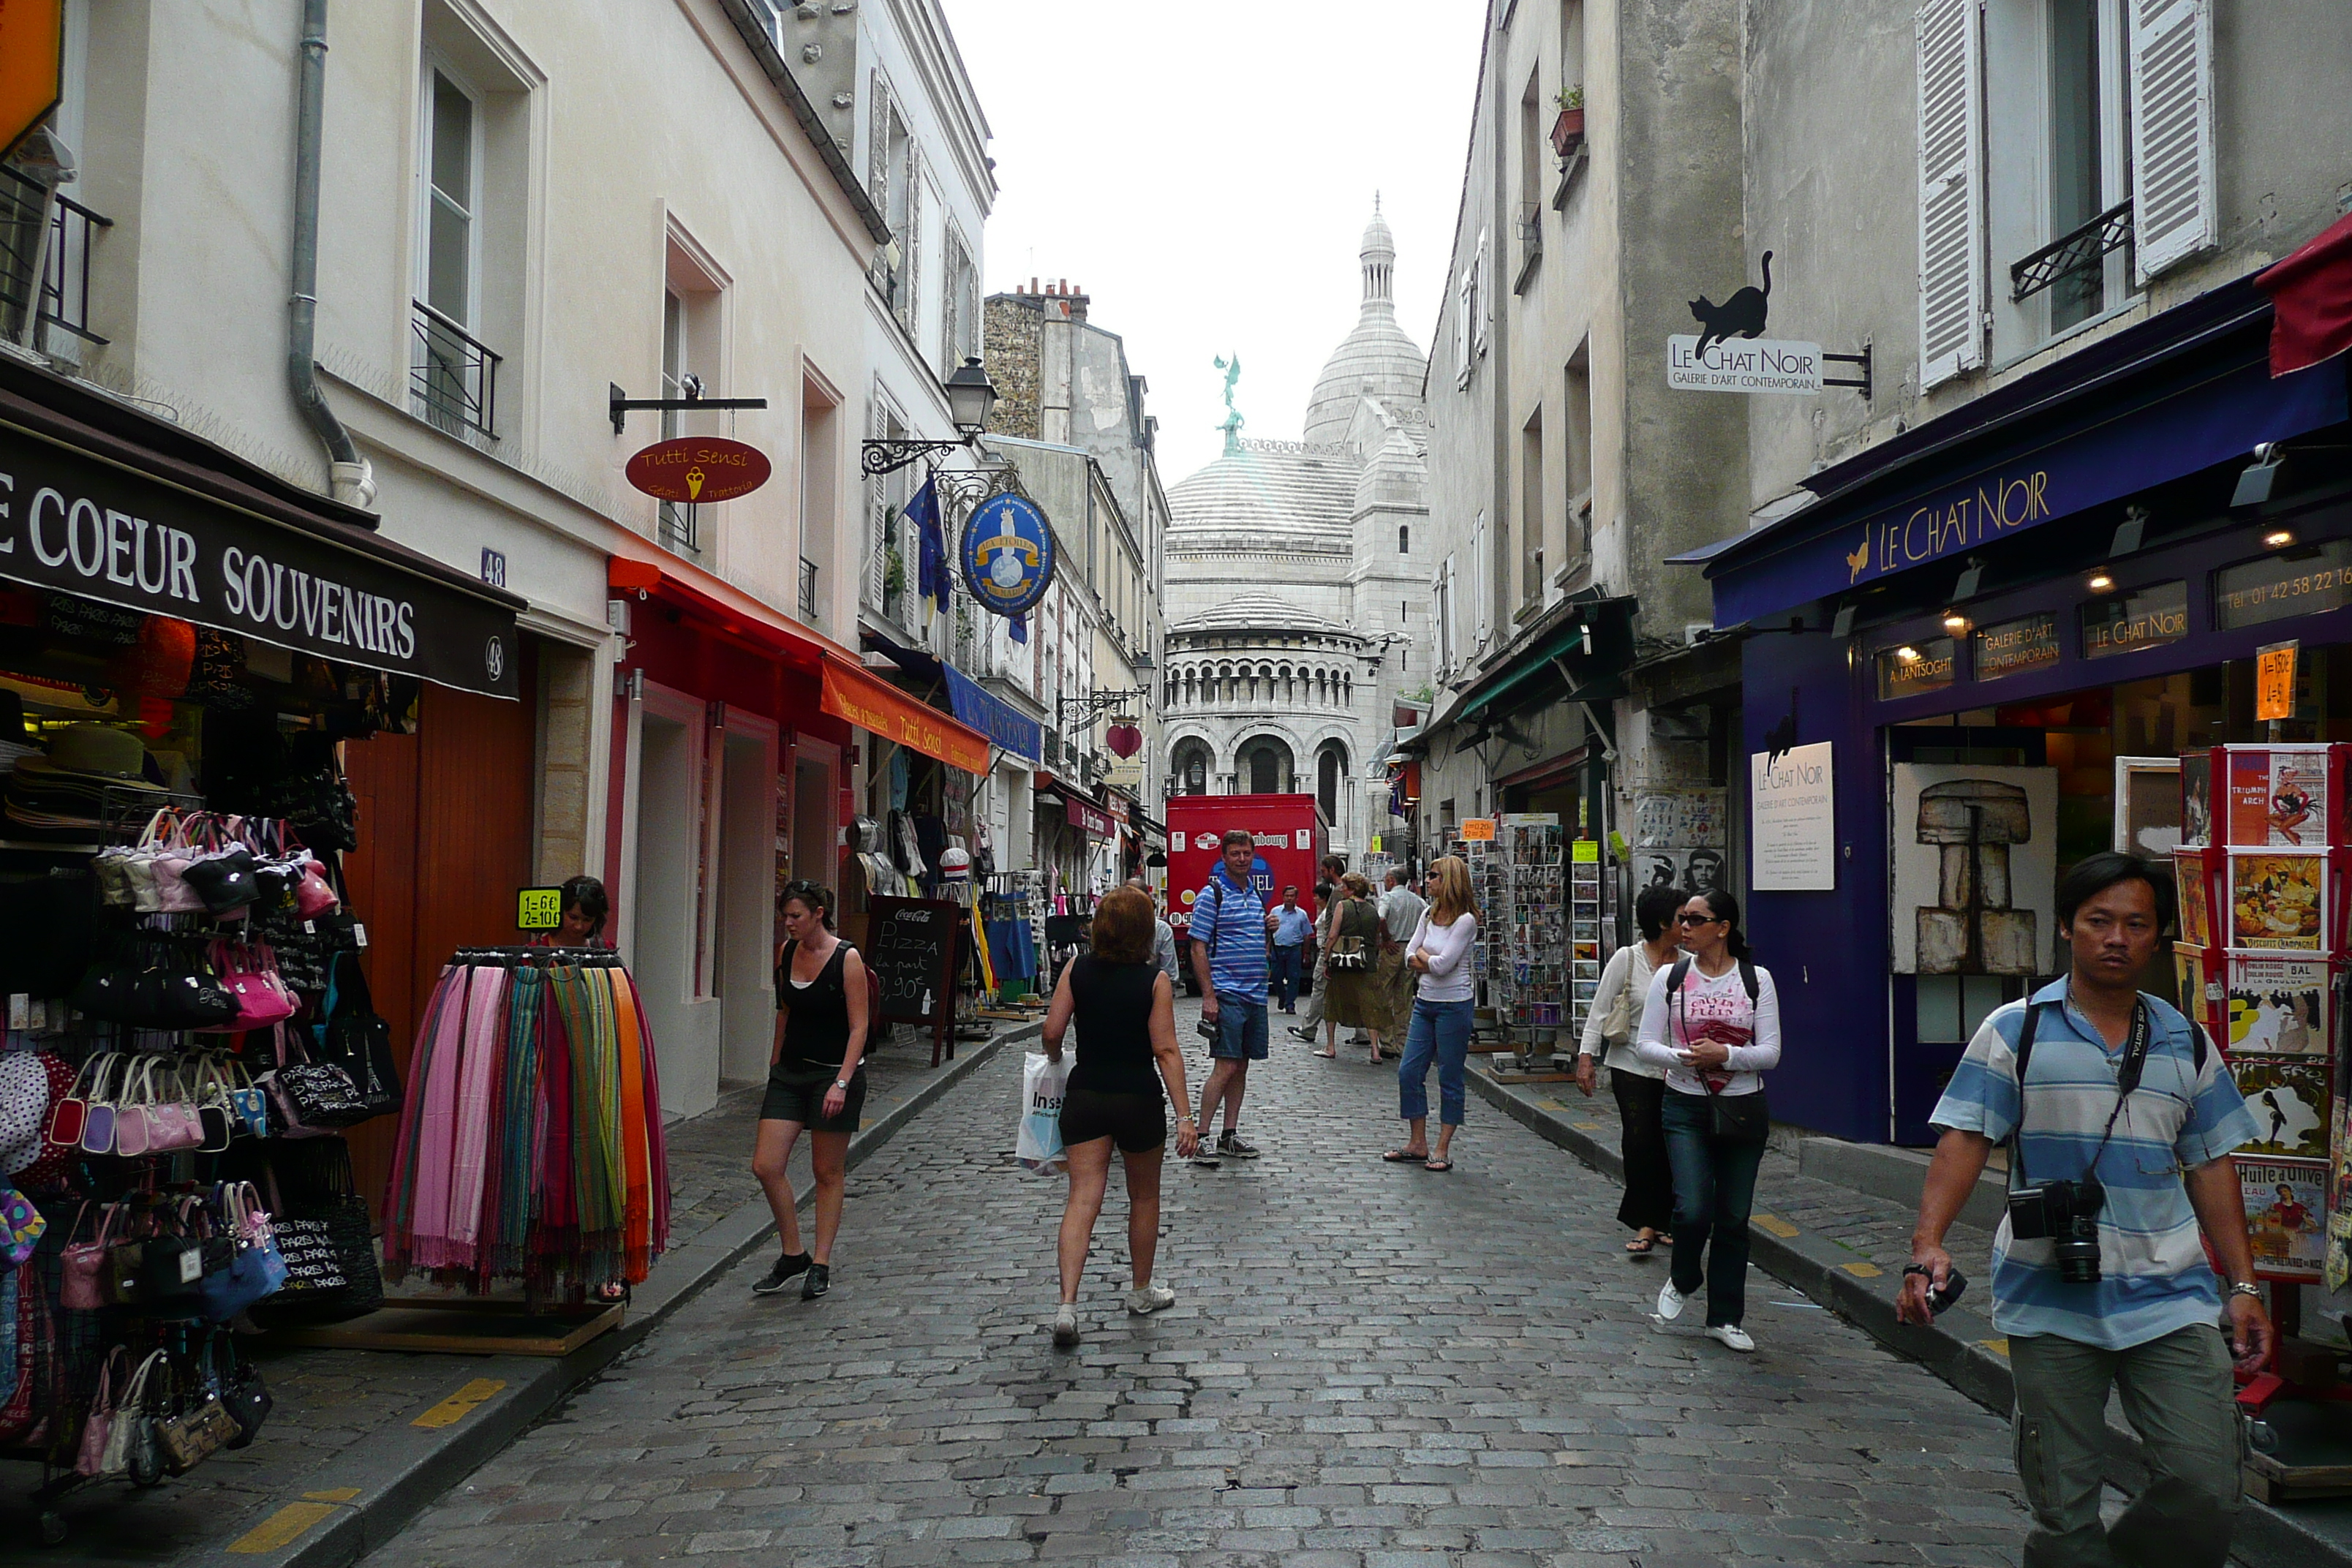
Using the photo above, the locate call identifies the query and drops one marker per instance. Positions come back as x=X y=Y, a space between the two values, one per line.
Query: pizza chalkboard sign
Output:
x=911 y=944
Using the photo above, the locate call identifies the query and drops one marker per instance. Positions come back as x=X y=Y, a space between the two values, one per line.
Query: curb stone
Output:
x=363 y=1498
x=1955 y=1348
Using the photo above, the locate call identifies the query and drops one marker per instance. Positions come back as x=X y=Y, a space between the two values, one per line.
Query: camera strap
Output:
x=2135 y=1050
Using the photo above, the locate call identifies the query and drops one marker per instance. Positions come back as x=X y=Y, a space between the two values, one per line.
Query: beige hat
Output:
x=94 y=750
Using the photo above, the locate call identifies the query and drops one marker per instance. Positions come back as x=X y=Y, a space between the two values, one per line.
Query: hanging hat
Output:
x=94 y=750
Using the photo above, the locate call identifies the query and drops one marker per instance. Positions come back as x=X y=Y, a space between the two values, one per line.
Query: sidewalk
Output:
x=359 y=1441
x=1846 y=1251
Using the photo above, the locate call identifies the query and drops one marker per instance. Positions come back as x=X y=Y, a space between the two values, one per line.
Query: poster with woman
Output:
x=2288 y=1099
x=2278 y=1006
x=2285 y=1204
x=2277 y=902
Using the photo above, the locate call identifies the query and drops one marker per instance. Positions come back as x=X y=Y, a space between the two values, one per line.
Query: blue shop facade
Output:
x=1988 y=622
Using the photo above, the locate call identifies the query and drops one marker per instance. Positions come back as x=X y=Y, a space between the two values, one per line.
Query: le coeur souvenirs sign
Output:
x=1008 y=553
x=700 y=469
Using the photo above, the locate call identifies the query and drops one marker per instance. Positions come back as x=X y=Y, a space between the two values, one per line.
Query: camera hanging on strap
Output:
x=2066 y=1213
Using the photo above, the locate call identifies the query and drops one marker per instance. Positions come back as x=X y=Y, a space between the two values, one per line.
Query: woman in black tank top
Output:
x=816 y=1081
x=1125 y=1008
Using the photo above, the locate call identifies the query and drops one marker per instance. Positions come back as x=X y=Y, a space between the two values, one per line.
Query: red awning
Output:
x=876 y=705
x=2312 y=291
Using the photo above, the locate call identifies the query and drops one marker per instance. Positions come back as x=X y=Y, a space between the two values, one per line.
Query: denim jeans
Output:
x=2176 y=1396
x=1714 y=1188
x=1286 y=970
x=1440 y=1029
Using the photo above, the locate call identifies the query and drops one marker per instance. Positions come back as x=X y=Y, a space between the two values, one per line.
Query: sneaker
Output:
x=1307 y=1035
x=1670 y=1301
x=788 y=1267
x=1732 y=1335
x=819 y=1280
x=1150 y=1299
x=1230 y=1142
x=1065 y=1327
x=1206 y=1157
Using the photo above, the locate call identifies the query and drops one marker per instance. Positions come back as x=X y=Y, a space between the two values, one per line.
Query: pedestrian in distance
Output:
x=1229 y=928
x=1293 y=933
x=1438 y=953
x=1164 y=935
x=583 y=905
x=816 y=1081
x=1712 y=1024
x=1400 y=909
x=2119 y=1117
x=1332 y=868
x=1648 y=1206
x=1352 y=979
x=1124 y=1009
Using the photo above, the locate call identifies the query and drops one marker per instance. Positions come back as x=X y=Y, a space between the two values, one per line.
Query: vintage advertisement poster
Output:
x=2288 y=1097
x=2188 y=968
x=2285 y=1207
x=2277 y=902
x=2278 y=1006
x=2338 y=1273
x=2196 y=900
x=1976 y=864
x=2195 y=799
x=2276 y=795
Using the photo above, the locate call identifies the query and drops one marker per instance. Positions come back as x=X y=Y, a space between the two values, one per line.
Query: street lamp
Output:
x=971 y=394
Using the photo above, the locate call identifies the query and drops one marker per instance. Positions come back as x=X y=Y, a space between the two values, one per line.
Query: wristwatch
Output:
x=2245 y=1287
x=841 y=1086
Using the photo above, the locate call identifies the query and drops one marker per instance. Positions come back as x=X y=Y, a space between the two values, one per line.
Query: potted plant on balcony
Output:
x=1568 y=129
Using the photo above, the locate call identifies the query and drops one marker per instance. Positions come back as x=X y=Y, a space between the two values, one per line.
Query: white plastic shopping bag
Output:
x=1039 y=1146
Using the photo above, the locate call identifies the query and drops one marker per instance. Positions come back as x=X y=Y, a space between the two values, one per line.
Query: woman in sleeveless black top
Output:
x=1125 y=1008
x=817 y=1080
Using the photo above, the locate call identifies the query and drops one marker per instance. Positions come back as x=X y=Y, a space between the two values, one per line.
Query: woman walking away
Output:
x=1649 y=1203
x=1438 y=954
x=1124 y=1007
x=1712 y=1024
x=1352 y=993
x=817 y=1080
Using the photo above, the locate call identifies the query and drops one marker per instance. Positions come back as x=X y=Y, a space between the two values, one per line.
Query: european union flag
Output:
x=933 y=578
x=1018 y=630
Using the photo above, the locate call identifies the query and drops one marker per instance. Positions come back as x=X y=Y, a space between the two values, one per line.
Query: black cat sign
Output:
x=1742 y=364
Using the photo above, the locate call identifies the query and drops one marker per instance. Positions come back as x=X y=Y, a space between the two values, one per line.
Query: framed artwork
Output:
x=2278 y=901
x=2276 y=796
x=2286 y=1204
x=2148 y=806
x=2277 y=1007
x=2195 y=799
x=1976 y=862
x=2288 y=1097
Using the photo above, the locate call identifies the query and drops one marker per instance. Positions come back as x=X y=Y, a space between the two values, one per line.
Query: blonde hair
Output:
x=1357 y=887
x=1453 y=899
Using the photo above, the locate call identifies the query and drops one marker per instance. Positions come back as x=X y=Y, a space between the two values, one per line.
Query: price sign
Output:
x=1478 y=830
x=2274 y=680
x=539 y=908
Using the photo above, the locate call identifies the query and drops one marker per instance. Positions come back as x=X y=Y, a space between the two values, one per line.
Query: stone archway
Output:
x=1265 y=765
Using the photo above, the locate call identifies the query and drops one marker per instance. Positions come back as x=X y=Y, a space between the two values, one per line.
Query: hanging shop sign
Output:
x=1743 y=364
x=700 y=469
x=1124 y=741
x=1092 y=820
x=70 y=523
x=1008 y=553
x=32 y=64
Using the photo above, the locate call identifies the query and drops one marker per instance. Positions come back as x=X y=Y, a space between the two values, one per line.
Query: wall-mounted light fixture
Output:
x=2261 y=475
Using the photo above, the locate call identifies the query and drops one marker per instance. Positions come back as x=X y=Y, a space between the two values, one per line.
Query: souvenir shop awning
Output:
x=873 y=704
x=1004 y=725
x=111 y=502
x=1592 y=643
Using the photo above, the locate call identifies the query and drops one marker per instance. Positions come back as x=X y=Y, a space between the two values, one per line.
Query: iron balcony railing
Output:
x=64 y=260
x=454 y=375
x=809 y=614
x=679 y=529
x=2085 y=250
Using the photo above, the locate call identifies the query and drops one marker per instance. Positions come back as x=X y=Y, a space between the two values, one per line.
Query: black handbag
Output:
x=324 y=1234
x=223 y=882
x=1739 y=1117
x=358 y=1039
x=237 y=1383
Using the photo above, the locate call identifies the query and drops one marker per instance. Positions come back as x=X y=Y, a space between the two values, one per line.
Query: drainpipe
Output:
x=349 y=478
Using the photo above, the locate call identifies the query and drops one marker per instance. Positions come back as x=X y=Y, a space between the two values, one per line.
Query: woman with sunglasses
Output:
x=1713 y=1026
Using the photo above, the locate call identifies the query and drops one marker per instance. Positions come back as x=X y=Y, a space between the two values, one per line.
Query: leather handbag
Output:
x=97 y=1427
x=174 y=1122
x=250 y=973
x=313 y=1099
x=251 y=1105
x=134 y=1129
x=174 y=895
x=1739 y=1117
x=136 y=866
x=216 y=1119
x=129 y=1414
x=85 y=1282
x=194 y=1432
x=251 y=1266
x=70 y=1114
x=245 y=1395
x=314 y=895
x=223 y=874
x=142 y=1409
x=98 y=1123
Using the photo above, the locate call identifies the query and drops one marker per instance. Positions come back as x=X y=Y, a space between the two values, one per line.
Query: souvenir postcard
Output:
x=2196 y=903
x=2288 y=1098
x=2278 y=901
x=2188 y=969
x=2195 y=799
x=2286 y=1207
x=2278 y=1006
x=2277 y=796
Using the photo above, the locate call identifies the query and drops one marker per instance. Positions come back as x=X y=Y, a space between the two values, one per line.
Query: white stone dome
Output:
x=1377 y=358
x=1270 y=498
x=1251 y=611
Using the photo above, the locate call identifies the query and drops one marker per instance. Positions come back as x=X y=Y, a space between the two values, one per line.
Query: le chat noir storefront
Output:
x=1982 y=626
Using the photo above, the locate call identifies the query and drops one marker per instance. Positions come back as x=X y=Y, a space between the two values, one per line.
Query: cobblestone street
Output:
x=1368 y=1366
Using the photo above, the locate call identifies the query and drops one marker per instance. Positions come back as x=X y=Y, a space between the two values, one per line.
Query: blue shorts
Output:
x=1240 y=1029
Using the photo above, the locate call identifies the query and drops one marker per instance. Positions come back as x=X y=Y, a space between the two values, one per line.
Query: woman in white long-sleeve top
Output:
x=1648 y=1206
x=1445 y=996
x=1713 y=1025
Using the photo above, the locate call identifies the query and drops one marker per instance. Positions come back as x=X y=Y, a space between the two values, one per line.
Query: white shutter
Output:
x=2172 y=131
x=1951 y=190
x=1482 y=579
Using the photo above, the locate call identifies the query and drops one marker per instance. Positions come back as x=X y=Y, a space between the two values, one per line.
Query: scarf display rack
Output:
x=530 y=1141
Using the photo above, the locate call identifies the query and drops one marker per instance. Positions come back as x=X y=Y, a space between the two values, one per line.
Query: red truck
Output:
x=1292 y=834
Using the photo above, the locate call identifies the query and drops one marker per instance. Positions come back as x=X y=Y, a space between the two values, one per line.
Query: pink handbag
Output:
x=314 y=895
x=89 y=1461
x=250 y=973
x=83 y=1278
x=172 y=1119
x=172 y=894
x=134 y=1128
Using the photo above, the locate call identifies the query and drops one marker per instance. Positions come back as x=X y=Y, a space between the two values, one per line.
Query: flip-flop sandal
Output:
x=1438 y=1165
x=1404 y=1157
x=1641 y=1246
x=1327 y=1054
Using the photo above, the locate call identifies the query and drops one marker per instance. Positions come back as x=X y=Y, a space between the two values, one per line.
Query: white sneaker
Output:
x=1670 y=1302
x=1731 y=1335
x=1065 y=1327
x=1150 y=1299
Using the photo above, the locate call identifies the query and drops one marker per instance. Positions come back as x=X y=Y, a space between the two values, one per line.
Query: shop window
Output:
x=820 y=506
x=2292 y=582
x=2143 y=618
x=2015 y=647
x=1916 y=667
x=1531 y=511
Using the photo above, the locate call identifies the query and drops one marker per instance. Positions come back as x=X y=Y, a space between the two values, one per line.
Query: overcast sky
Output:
x=1205 y=172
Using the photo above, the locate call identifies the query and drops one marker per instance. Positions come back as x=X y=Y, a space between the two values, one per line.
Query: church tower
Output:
x=1376 y=360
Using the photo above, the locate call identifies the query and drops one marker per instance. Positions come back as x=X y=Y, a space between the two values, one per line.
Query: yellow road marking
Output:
x=1997 y=1347
x=1586 y=1126
x=460 y=1404
x=334 y=1494
x=1863 y=1270
x=281 y=1529
x=1775 y=1224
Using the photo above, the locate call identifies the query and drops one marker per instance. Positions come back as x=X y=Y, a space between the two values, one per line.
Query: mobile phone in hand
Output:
x=1207 y=1029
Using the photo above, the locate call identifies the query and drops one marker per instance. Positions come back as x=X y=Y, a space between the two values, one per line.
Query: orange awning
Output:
x=714 y=602
x=852 y=695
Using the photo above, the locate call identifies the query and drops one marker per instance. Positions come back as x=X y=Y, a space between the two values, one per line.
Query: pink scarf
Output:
x=437 y=1132
x=485 y=1030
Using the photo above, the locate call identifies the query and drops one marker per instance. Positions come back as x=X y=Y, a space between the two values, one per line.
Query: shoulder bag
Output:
x=97 y=1427
x=311 y=1098
x=222 y=876
x=1731 y=1118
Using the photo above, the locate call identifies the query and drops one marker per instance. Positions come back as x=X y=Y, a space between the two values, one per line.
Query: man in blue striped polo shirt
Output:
x=1228 y=925
x=2148 y=1321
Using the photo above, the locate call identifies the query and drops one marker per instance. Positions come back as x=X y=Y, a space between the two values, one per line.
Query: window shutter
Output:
x=2172 y=131
x=1951 y=191
x=877 y=142
x=911 y=245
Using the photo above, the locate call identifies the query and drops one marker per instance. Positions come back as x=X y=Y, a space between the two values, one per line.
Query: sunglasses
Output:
x=1696 y=919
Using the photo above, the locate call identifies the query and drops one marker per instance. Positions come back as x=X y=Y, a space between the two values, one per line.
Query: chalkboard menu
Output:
x=910 y=945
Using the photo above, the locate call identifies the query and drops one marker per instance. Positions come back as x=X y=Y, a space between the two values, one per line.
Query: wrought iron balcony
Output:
x=2085 y=250
x=453 y=375
x=64 y=260
x=678 y=528
x=809 y=612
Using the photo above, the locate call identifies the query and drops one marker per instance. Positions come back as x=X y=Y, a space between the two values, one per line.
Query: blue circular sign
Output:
x=1008 y=553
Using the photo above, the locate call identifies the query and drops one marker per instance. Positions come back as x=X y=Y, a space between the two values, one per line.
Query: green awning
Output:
x=1606 y=624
